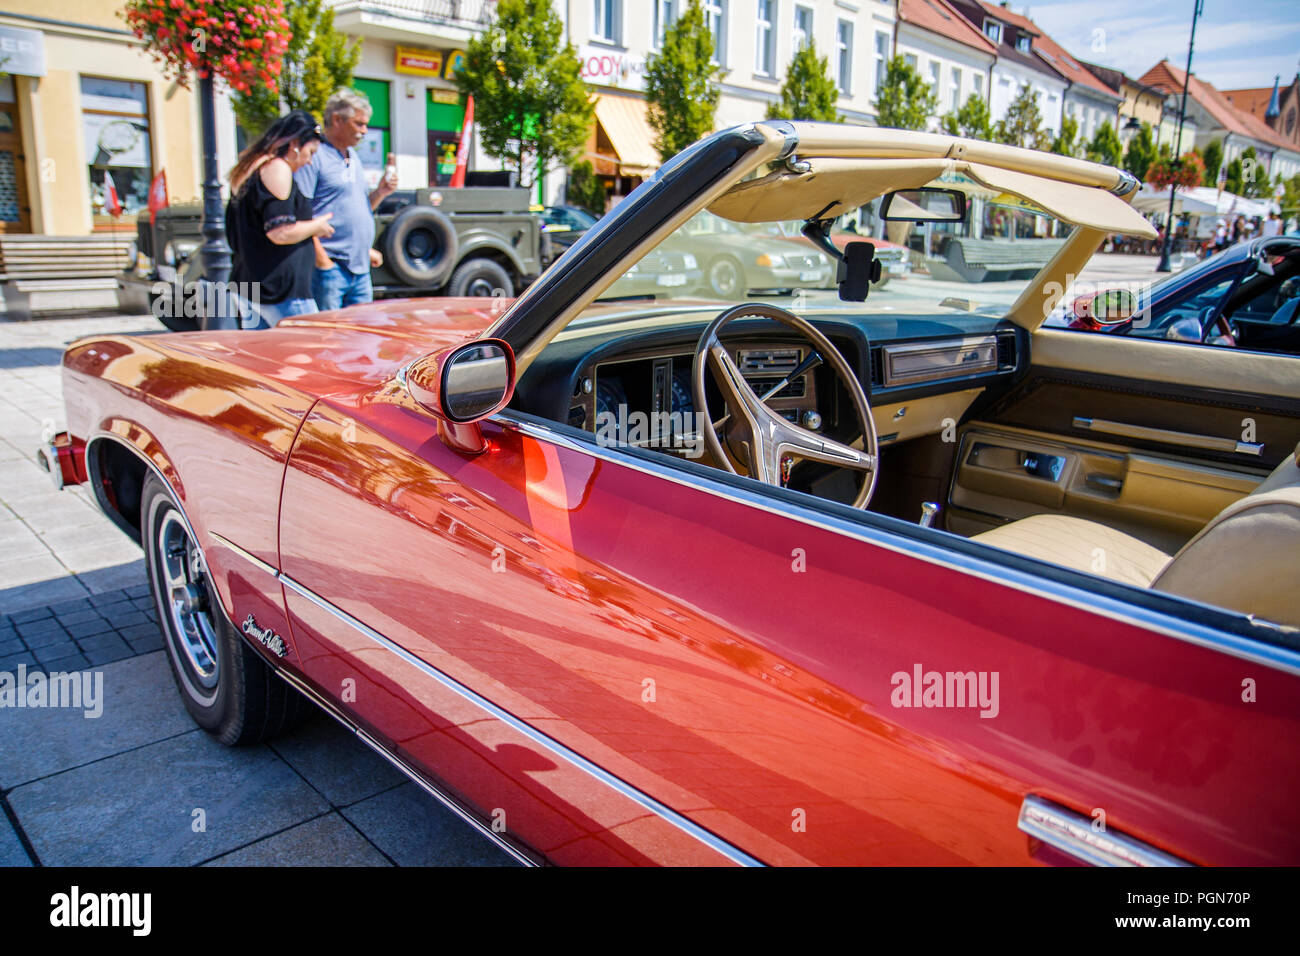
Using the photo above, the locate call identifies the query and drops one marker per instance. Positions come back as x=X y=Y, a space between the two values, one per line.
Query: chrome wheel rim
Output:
x=184 y=583
x=481 y=287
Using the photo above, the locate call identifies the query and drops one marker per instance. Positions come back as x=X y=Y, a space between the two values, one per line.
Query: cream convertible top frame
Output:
x=846 y=167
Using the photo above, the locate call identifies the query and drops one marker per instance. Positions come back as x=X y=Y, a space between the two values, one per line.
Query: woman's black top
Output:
x=284 y=271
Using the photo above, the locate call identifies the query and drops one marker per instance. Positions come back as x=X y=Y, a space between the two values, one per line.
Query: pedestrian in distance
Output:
x=269 y=222
x=336 y=183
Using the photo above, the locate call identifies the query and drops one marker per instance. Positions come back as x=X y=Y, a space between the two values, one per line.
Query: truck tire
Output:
x=481 y=276
x=225 y=685
x=420 y=246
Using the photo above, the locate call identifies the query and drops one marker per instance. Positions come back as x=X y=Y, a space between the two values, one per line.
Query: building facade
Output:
x=1278 y=107
x=947 y=50
x=754 y=42
x=1216 y=118
x=82 y=106
x=1017 y=64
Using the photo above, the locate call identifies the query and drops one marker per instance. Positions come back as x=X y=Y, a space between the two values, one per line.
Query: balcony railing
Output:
x=464 y=13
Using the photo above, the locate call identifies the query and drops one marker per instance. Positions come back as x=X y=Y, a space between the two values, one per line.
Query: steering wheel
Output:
x=772 y=443
x=1216 y=328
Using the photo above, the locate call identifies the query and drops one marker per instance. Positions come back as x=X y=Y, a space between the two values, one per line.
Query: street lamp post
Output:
x=215 y=251
x=1164 y=265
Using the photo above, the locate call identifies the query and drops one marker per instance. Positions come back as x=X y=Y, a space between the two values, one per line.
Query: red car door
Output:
x=629 y=660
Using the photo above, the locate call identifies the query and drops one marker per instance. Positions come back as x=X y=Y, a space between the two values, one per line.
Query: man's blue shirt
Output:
x=337 y=183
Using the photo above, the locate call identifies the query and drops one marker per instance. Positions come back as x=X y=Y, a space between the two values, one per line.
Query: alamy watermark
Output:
x=953 y=689
x=78 y=690
x=675 y=431
x=192 y=300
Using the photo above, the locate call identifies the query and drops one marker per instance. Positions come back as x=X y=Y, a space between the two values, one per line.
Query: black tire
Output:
x=225 y=685
x=420 y=247
x=481 y=277
x=726 y=278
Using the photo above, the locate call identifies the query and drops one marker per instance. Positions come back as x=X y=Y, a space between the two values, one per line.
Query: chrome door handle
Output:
x=1073 y=834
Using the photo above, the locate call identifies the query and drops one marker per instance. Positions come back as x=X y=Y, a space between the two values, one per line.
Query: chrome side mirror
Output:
x=463 y=385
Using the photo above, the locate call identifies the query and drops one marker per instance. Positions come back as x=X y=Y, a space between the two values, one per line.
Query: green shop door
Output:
x=378 y=143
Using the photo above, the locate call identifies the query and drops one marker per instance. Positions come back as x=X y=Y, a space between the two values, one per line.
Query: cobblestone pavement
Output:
x=124 y=788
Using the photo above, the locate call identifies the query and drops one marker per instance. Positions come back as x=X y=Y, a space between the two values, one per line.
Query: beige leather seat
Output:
x=1246 y=559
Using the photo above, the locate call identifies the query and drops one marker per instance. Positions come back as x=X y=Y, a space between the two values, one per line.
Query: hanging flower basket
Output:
x=1185 y=172
x=240 y=41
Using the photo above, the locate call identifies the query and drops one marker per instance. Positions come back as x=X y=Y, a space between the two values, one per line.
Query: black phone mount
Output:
x=858 y=266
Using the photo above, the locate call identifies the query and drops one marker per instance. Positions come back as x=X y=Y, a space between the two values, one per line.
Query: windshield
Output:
x=979 y=264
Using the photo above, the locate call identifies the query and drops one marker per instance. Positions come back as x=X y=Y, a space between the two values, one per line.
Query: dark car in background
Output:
x=565 y=225
x=1247 y=296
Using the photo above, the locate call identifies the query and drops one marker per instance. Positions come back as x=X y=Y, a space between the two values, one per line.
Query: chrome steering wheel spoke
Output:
x=772 y=442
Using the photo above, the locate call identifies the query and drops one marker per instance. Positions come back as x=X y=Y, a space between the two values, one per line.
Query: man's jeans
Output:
x=337 y=287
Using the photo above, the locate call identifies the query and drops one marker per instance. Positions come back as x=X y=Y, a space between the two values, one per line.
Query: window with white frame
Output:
x=936 y=70
x=1022 y=42
x=979 y=85
x=765 y=45
x=844 y=50
x=803 y=26
x=910 y=60
x=882 y=58
x=665 y=14
x=607 y=20
x=993 y=30
x=956 y=89
x=715 y=15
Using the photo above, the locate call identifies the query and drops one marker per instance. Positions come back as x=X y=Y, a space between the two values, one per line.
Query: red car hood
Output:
x=329 y=352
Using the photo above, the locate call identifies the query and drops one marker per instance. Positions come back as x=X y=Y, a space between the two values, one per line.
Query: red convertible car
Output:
x=629 y=581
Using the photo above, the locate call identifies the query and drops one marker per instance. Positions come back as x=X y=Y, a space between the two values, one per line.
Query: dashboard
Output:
x=618 y=369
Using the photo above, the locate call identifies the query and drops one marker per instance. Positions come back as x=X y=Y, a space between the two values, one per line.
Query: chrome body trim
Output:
x=1190 y=439
x=536 y=736
x=1074 y=834
x=1127 y=183
x=552 y=746
x=987 y=569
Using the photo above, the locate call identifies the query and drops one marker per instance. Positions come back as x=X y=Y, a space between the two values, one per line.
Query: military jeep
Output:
x=472 y=241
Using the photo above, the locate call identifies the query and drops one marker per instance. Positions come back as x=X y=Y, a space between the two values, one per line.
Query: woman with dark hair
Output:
x=269 y=222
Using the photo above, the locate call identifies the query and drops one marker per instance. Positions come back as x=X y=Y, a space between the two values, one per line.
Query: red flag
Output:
x=157 y=195
x=111 y=202
x=462 y=152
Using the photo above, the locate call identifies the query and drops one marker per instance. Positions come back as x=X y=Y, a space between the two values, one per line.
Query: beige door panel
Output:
x=1153 y=360
x=1003 y=474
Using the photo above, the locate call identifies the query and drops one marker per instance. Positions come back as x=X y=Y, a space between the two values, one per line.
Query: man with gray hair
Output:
x=336 y=183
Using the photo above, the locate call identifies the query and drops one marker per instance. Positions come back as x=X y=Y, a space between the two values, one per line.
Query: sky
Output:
x=1239 y=43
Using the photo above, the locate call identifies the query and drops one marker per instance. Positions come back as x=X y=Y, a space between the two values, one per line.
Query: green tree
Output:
x=972 y=120
x=1213 y=156
x=318 y=60
x=1141 y=152
x=1254 y=177
x=1105 y=146
x=1232 y=177
x=681 y=89
x=1064 y=143
x=1023 y=124
x=809 y=91
x=585 y=189
x=532 y=108
x=905 y=101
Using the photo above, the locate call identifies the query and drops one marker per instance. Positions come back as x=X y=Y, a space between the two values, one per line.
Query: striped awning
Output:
x=623 y=119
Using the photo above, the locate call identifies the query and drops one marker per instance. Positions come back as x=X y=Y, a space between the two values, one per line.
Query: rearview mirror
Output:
x=926 y=204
